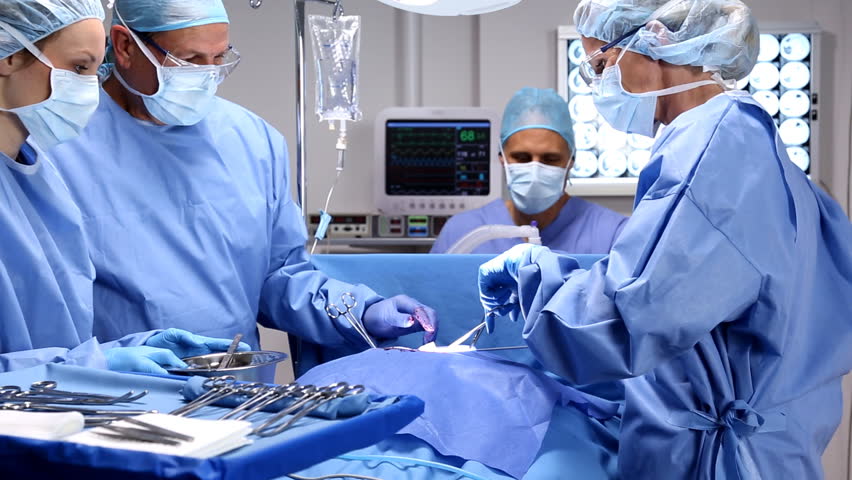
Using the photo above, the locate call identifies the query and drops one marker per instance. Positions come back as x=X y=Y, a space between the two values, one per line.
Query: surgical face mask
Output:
x=632 y=112
x=186 y=91
x=534 y=187
x=73 y=99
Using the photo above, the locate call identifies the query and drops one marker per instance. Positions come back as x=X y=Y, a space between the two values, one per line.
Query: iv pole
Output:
x=301 y=145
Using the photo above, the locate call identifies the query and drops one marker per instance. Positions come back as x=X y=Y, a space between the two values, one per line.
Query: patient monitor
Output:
x=436 y=161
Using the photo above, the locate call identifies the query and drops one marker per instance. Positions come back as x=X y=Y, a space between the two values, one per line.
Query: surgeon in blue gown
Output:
x=50 y=51
x=537 y=138
x=186 y=200
x=726 y=299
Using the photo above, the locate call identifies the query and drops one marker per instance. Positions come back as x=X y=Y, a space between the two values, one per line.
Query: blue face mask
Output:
x=186 y=91
x=534 y=187
x=73 y=99
x=632 y=112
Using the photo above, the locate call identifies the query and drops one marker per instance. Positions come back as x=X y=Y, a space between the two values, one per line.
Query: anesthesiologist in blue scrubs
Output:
x=186 y=200
x=726 y=299
x=50 y=51
x=537 y=137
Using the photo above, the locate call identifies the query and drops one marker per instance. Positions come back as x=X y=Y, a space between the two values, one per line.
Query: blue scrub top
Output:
x=194 y=228
x=725 y=302
x=45 y=272
x=581 y=227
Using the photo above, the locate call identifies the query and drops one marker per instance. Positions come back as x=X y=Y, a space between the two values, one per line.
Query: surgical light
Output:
x=451 y=7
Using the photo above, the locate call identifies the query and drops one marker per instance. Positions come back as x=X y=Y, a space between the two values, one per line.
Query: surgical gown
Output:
x=581 y=227
x=45 y=272
x=194 y=228
x=725 y=302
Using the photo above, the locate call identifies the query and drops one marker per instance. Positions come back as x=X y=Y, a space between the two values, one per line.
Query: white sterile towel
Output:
x=40 y=425
x=211 y=437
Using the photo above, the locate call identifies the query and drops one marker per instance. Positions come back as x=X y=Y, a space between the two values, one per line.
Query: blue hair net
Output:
x=167 y=15
x=537 y=108
x=719 y=35
x=36 y=19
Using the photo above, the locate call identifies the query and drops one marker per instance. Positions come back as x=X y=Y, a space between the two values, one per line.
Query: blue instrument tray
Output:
x=309 y=442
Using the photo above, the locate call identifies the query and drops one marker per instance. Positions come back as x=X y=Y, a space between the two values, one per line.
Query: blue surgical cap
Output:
x=719 y=35
x=537 y=108
x=167 y=15
x=36 y=19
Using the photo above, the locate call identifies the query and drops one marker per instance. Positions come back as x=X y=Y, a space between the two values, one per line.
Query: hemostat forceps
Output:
x=348 y=301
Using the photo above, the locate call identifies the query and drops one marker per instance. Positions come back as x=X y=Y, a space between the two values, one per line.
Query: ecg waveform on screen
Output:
x=437 y=160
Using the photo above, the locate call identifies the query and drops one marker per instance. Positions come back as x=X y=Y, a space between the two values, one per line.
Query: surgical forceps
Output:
x=218 y=388
x=348 y=301
x=262 y=400
x=476 y=332
x=312 y=399
x=48 y=387
x=13 y=393
x=144 y=432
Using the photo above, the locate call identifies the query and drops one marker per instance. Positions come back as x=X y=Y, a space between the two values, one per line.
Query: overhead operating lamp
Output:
x=451 y=7
x=426 y=7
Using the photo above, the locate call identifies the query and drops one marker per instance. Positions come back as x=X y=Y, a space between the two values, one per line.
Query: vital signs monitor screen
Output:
x=438 y=157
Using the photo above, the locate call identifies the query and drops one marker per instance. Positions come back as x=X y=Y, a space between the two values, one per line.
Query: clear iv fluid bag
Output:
x=336 y=47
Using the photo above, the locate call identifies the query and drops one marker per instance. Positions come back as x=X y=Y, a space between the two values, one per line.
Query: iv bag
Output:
x=336 y=49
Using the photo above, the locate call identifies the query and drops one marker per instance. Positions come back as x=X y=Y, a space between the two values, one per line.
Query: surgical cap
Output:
x=537 y=108
x=36 y=19
x=720 y=35
x=167 y=15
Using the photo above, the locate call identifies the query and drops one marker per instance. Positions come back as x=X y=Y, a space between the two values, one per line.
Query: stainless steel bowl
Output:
x=256 y=366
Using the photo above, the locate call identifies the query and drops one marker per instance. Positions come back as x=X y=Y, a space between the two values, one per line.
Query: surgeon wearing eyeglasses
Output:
x=537 y=136
x=186 y=197
x=725 y=300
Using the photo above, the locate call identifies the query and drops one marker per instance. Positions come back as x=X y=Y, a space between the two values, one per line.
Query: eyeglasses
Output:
x=225 y=63
x=589 y=71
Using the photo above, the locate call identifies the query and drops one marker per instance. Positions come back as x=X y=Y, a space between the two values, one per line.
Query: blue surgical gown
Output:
x=725 y=302
x=45 y=272
x=194 y=228
x=581 y=227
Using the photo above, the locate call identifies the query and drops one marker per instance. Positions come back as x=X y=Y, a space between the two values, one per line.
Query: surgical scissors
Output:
x=349 y=302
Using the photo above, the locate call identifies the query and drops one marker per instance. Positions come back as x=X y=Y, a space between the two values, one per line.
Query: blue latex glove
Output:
x=401 y=315
x=142 y=359
x=498 y=282
x=185 y=344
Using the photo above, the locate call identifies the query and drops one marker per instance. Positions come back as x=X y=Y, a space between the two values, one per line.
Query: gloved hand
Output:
x=142 y=359
x=400 y=315
x=185 y=344
x=498 y=282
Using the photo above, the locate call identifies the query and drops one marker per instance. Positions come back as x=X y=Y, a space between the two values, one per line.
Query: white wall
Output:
x=481 y=62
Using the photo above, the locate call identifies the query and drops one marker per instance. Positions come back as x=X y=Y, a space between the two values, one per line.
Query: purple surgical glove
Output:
x=398 y=316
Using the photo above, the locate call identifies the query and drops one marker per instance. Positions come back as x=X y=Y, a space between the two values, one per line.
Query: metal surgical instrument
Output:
x=229 y=355
x=49 y=387
x=13 y=393
x=309 y=403
x=349 y=302
x=258 y=403
x=216 y=386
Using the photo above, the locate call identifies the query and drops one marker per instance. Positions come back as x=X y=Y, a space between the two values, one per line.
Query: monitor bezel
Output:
x=437 y=204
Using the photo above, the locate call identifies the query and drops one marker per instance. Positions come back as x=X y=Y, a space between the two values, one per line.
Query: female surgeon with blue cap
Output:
x=725 y=301
x=537 y=138
x=50 y=51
